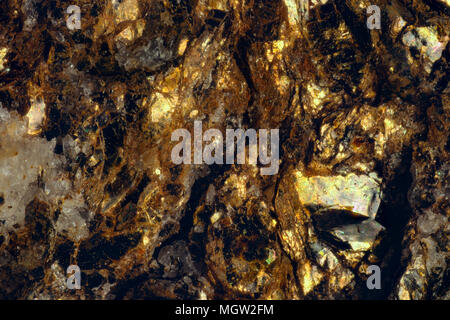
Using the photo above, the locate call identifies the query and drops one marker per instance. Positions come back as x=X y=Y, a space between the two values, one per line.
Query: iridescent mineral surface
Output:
x=86 y=177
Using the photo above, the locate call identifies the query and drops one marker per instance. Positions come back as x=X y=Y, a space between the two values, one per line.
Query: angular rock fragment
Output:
x=356 y=193
x=359 y=236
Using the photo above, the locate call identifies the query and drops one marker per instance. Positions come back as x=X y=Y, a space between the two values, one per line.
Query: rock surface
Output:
x=86 y=177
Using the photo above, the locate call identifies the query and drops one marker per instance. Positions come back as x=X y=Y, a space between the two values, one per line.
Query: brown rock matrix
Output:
x=86 y=176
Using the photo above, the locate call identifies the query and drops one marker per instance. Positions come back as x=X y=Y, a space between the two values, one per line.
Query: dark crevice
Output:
x=394 y=213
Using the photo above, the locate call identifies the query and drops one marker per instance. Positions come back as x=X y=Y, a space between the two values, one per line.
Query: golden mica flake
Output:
x=182 y=47
x=359 y=194
x=161 y=108
x=36 y=116
x=132 y=32
x=3 y=52
x=426 y=41
x=125 y=10
x=359 y=236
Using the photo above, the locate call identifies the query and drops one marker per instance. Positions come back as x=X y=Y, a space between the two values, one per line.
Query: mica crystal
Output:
x=87 y=178
x=358 y=194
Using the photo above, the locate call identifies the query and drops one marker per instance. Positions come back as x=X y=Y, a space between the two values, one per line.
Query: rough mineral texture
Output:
x=87 y=179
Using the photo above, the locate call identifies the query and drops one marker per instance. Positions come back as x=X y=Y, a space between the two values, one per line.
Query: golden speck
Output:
x=182 y=47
